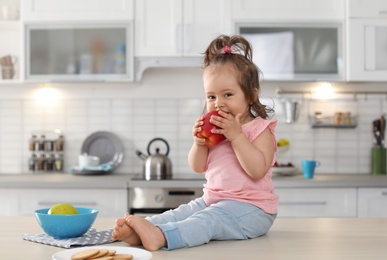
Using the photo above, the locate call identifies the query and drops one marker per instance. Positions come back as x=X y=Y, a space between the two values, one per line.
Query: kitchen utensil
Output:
x=291 y=109
x=156 y=166
x=87 y=160
x=308 y=167
x=378 y=160
x=105 y=145
x=66 y=226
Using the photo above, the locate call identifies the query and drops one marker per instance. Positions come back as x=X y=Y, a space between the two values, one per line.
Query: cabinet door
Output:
x=288 y=9
x=318 y=202
x=109 y=202
x=367 y=8
x=372 y=203
x=367 y=52
x=76 y=52
x=203 y=21
x=75 y=10
x=158 y=28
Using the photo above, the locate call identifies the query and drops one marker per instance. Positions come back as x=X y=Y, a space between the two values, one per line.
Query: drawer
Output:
x=109 y=202
x=317 y=202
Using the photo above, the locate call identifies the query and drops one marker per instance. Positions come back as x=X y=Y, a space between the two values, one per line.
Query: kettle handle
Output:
x=158 y=139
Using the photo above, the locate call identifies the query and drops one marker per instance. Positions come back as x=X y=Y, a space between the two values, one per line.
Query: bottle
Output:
x=58 y=164
x=32 y=162
x=32 y=142
x=48 y=163
x=59 y=142
x=40 y=162
x=120 y=60
x=41 y=143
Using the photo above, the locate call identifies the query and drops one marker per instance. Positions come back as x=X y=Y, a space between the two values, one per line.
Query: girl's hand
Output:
x=230 y=126
x=196 y=129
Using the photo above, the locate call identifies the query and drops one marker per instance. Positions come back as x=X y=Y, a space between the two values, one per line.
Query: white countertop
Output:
x=344 y=238
x=123 y=181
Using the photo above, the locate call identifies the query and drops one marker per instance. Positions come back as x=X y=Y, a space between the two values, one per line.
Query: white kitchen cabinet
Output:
x=317 y=202
x=79 y=52
x=372 y=203
x=367 y=41
x=176 y=28
x=288 y=10
x=77 y=10
x=109 y=202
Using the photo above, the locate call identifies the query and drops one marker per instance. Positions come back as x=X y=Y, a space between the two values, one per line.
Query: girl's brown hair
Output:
x=237 y=52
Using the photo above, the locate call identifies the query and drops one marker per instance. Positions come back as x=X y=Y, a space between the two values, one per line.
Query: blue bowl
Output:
x=66 y=226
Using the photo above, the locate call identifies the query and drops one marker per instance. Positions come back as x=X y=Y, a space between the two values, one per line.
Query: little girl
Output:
x=239 y=200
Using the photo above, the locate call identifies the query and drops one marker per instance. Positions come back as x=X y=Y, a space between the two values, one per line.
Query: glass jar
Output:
x=58 y=163
x=59 y=142
x=40 y=162
x=32 y=162
x=49 y=163
x=32 y=142
x=41 y=143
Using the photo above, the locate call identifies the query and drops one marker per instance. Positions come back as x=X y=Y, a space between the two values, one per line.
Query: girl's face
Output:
x=223 y=91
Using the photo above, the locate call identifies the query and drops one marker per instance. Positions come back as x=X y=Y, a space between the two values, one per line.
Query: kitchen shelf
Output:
x=329 y=122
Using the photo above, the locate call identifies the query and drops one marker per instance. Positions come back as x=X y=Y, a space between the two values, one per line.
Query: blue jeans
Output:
x=196 y=223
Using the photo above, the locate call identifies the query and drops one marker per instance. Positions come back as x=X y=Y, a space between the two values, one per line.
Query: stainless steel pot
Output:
x=156 y=166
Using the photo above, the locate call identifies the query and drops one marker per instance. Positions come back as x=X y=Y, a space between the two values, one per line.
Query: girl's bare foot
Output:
x=125 y=233
x=152 y=238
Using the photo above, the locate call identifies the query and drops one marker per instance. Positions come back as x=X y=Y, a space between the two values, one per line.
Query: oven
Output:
x=148 y=198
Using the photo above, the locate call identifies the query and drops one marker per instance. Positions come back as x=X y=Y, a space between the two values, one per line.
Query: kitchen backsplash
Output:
x=165 y=106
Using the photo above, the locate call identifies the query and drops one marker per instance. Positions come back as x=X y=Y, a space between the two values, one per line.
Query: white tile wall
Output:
x=165 y=104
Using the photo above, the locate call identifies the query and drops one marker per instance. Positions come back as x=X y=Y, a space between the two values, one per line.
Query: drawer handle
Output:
x=51 y=203
x=384 y=193
x=306 y=203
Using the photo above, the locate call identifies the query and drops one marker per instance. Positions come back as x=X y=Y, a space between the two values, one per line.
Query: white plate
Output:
x=284 y=170
x=138 y=253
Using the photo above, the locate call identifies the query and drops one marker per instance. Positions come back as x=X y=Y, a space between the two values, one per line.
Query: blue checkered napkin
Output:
x=90 y=238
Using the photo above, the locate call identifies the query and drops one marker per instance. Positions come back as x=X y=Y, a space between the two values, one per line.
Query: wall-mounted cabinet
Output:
x=288 y=10
x=296 y=51
x=79 y=51
x=74 y=10
x=367 y=40
x=177 y=28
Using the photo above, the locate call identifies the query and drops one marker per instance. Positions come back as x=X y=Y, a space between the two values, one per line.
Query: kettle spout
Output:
x=141 y=155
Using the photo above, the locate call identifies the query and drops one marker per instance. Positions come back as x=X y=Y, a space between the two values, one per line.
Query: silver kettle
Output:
x=156 y=166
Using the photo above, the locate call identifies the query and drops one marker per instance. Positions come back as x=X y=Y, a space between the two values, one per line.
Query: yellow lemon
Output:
x=283 y=142
x=63 y=209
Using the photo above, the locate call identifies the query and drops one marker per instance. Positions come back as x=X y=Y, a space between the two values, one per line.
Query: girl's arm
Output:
x=256 y=157
x=198 y=154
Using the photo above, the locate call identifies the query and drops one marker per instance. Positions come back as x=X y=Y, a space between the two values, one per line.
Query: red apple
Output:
x=211 y=138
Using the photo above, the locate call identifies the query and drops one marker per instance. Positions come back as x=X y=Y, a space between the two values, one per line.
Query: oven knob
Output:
x=159 y=198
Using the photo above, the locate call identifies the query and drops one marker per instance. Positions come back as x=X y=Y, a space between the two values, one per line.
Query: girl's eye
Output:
x=211 y=97
x=228 y=95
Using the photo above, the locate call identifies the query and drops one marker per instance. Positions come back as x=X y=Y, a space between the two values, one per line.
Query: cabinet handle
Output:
x=384 y=193
x=179 y=40
x=51 y=203
x=302 y=203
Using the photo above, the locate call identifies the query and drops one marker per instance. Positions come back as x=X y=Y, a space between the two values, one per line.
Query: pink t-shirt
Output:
x=226 y=179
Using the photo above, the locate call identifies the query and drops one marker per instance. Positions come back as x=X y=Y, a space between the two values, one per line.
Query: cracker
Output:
x=111 y=252
x=85 y=254
x=106 y=257
x=101 y=253
x=123 y=257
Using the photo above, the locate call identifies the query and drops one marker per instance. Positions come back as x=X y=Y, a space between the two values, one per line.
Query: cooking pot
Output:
x=157 y=166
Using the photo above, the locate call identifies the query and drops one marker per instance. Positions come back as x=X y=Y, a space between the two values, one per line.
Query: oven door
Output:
x=150 y=201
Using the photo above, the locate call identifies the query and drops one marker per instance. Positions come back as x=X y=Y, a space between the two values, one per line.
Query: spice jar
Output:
x=41 y=143
x=32 y=162
x=32 y=142
x=58 y=164
x=338 y=118
x=59 y=143
x=40 y=162
x=49 y=162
